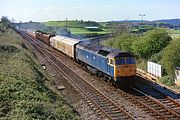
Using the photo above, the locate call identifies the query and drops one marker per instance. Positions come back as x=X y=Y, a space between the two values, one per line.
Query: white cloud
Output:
x=77 y=7
x=53 y=8
x=109 y=6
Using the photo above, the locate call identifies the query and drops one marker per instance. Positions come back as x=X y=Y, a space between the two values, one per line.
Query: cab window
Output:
x=120 y=61
x=130 y=60
x=111 y=61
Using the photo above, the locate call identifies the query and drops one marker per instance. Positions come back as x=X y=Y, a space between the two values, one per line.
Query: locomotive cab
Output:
x=123 y=64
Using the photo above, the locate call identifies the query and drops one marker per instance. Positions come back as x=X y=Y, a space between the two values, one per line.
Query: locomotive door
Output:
x=111 y=66
x=108 y=67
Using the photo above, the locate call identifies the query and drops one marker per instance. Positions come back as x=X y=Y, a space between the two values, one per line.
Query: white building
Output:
x=177 y=73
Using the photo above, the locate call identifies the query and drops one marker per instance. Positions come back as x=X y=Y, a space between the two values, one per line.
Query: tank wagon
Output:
x=43 y=36
x=106 y=62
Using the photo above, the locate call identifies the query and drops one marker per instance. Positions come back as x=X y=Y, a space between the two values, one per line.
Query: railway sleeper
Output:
x=169 y=104
x=104 y=103
x=112 y=114
x=146 y=109
x=159 y=108
x=167 y=113
x=116 y=110
x=100 y=101
x=165 y=100
x=109 y=111
x=173 y=106
x=177 y=109
x=141 y=106
x=156 y=106
x=119 y=117
x=163 y=111
x=98 y=111
x=149 y=103
x=90 y=103
x=171 y=117
x=104 y=107
x=153 y=114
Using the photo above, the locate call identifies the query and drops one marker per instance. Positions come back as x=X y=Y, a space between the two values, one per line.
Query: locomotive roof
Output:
x=104 y=50
x=44 y=33
x=119 y=54
x=67 y=40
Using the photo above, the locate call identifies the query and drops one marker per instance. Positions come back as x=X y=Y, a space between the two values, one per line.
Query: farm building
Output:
x=93 y=28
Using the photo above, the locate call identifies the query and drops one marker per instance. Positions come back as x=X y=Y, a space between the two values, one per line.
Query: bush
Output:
x=167 y=80
x=151 y=43
x=9 y=49
x=156 y=57
x=171 y=56
x=121 y=41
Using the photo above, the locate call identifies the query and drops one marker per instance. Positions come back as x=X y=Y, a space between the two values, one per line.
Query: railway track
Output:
x=96 y=99
x=101 y=103
x=165 y=100
x=158 y=107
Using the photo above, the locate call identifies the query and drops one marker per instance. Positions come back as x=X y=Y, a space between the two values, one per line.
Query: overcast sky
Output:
x=97 y=10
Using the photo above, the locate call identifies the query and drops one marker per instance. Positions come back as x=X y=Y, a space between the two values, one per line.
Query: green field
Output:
x=174 y=36
x=78 y=27
x=174 y=33
x=72 y=23
x=86 y=31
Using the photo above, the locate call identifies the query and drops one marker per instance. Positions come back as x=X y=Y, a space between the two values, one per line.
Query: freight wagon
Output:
x=65 y=44
x=43 y=36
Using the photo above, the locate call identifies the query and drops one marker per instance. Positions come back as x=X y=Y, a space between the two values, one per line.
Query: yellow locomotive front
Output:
x=122 y=64
x=125 y=67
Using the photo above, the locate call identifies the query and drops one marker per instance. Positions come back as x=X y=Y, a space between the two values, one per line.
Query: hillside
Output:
x=169 y=21
x=31 y=25
x=79 y=27
x=72 y=23
x=24 y=94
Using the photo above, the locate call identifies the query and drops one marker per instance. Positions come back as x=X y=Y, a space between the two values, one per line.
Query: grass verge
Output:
x=23 y=92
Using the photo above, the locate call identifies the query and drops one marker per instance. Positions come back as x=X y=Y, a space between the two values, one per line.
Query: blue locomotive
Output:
x=105 y=61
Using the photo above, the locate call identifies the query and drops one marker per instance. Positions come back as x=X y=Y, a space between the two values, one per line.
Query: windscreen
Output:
x=125 y=60
x=130 y=60
x=120 y=61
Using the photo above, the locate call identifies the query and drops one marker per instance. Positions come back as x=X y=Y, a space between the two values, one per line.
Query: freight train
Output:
x=109 y=63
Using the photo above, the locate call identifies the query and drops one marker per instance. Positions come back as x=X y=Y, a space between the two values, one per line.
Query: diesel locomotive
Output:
x=106 y=62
